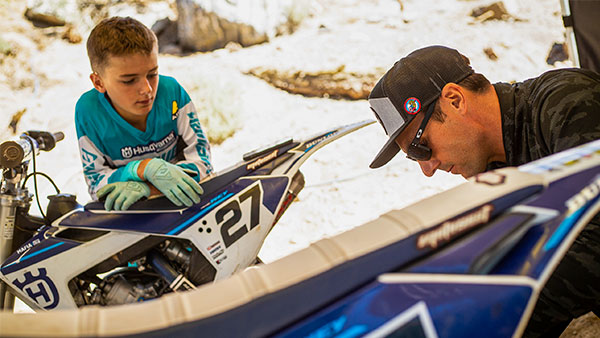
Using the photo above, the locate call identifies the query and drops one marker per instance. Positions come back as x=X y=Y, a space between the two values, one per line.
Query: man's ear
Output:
x=97 y=82
x=454 y=96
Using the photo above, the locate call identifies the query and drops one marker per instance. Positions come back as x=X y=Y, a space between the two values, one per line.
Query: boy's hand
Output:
x=121 y=195
x=173 y=182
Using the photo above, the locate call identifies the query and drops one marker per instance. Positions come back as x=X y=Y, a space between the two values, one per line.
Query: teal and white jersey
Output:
x=107 y=142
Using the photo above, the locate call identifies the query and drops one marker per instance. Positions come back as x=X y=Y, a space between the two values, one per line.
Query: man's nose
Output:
x=429 y=167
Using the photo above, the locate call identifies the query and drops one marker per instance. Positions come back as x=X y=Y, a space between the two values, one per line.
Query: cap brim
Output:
x=389 y=150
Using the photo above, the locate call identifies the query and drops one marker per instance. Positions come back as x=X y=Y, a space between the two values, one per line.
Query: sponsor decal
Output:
x=452 y=228
x=312 y=143
x=219 y=253
x=213 y=246
x=412 y=105
x=262 y=160
x=490 y=178
x=9 y=227
x=219 y=261
x=576 y=206
x=40 y=288
x=217 y=248
x=561 y=161
x=28 y=246
x=175 y=111
x=158 y=146
x=585 y=195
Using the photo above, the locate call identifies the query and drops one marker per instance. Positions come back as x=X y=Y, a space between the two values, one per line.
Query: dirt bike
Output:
x=76 y=255
x=468 y=262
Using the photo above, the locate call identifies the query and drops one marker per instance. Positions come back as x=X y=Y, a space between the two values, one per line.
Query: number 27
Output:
x=255 y=198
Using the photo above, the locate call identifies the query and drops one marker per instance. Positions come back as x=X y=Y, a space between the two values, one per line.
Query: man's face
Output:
x=131 y=82
x=455 y=143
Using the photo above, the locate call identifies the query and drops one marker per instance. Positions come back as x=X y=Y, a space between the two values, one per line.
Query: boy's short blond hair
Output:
x=118 y=36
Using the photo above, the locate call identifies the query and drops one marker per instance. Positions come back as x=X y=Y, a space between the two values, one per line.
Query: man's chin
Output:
x=458 y=171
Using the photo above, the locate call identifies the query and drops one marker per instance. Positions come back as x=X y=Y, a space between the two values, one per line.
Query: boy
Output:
x=138 y=131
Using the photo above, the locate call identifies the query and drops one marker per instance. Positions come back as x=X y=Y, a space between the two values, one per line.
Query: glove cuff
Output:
x=131 y=169
x=141 y=169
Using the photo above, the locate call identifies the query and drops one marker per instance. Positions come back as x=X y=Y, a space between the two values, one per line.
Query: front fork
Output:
x=8 y=211
x=16 y=227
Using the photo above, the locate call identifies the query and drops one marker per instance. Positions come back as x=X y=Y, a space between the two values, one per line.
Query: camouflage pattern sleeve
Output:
x=570 y=113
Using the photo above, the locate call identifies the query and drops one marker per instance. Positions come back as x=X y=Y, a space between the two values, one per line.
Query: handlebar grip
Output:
x=59 y=136
x=46 y=140
x=13 y=153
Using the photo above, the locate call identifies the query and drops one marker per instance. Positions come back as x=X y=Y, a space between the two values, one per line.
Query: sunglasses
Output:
x=417 y=151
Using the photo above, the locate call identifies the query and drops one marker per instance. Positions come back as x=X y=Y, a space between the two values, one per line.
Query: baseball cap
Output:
x=409 y=87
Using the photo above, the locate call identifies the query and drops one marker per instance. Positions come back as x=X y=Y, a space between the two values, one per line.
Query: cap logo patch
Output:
x=412 y=105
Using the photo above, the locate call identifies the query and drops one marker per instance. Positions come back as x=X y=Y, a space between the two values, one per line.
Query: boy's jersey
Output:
x=107 y=142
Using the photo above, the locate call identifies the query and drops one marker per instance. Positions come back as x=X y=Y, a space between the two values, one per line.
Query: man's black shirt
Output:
x=541 y=116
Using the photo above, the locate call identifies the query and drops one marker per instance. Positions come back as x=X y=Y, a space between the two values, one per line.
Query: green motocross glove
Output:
x=170 y=179
x=121 y=195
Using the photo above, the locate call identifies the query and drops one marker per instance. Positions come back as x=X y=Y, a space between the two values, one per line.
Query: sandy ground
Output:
x=341 y=192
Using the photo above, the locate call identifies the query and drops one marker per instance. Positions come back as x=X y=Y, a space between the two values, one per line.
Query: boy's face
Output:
x=130 y=82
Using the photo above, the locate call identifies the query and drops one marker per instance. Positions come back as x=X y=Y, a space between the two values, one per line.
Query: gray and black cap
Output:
x=409 y=87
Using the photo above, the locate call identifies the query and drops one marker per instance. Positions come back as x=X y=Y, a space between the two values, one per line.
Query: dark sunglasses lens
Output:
x=419 y=152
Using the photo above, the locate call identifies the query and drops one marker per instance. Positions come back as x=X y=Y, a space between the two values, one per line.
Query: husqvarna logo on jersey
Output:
x=126 y=152
x=40 y=288
x=158 y=146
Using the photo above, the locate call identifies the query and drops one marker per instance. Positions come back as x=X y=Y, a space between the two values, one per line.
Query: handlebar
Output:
x=13 y=153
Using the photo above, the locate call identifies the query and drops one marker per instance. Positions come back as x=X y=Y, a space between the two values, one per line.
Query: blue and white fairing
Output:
x=477 y=274
x=238 y=209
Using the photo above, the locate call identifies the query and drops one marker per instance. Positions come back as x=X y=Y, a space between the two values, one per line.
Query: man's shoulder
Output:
x=560 y=85
x=569 y=77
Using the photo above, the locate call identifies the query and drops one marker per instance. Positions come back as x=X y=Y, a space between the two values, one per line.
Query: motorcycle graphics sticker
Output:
x=9 y=227
x=259 y=162
x=34 y=251
x=28 y=246
x=230 y=215
x=308 y=145
x=414 y=321
x=584 y=196
x=452 y=228
x=565 y=159
x=215 y=250
x=576 y=206
x=490 y=178
x=40 y=288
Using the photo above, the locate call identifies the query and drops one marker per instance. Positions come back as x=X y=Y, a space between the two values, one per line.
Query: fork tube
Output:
x=8 y=207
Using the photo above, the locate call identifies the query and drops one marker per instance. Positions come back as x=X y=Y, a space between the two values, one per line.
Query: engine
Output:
x=146 y=270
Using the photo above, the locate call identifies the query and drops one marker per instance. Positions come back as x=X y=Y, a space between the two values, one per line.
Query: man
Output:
x=442 y=114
